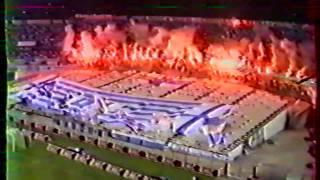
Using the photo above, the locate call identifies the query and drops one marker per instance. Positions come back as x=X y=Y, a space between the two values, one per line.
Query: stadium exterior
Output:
x=170 y=152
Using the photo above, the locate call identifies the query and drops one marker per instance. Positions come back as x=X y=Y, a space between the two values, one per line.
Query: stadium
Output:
x=163 y=88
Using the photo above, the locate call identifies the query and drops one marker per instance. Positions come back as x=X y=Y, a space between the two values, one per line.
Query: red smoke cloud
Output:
x=162 y=48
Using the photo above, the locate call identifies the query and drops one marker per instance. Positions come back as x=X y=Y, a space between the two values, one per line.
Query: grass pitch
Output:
x=35 y=163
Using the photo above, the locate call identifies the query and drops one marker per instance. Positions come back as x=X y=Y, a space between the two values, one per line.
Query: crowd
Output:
x=264 y=49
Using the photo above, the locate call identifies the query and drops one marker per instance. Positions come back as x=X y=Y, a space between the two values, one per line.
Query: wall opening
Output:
x=46 y=139
x=33 y=134
x=82 y=138
x=55 y=130
x=88 y=161
x=122 y=171
x=73 y=125
x=125 y=149
x=215 y=173
x=68 y=134
x=142 y=154
x=33 y=125
x=59 y=151
x=159 y=158
x=57 y=122
x=66 y=124
x=110 y=145
x=104 y=166
x=99 y=132
x=73 y=156
x=177 y=163
x=90 y=130
x=96 y=142
x=196 y=168
x=82 y=126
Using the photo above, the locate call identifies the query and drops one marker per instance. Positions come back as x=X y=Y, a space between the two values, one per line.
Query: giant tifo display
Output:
x=175 y=88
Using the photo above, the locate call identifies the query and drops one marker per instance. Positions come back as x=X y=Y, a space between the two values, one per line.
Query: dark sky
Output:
x=288 y=10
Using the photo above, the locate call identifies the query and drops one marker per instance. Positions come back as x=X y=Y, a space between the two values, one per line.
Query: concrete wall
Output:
x=161 y=156
x=275 y=126
x=74 y=130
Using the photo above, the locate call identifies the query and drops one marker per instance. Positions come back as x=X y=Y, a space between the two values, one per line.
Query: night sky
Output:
x=288 y=10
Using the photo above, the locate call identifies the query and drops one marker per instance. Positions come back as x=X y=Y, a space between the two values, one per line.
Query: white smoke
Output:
x=68 y=40
x=159 y=40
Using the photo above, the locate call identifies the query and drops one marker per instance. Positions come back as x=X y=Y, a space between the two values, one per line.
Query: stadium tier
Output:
x=215 y=126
